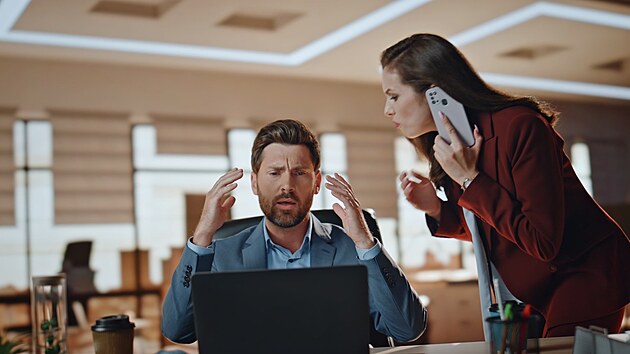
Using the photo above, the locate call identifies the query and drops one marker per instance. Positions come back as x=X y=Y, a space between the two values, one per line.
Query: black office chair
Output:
x=79 y=276
x=232 y=227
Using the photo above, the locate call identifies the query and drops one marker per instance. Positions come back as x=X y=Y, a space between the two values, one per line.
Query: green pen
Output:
x=508 y=311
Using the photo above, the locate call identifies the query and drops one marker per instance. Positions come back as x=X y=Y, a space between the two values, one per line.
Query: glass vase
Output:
x=49 y=314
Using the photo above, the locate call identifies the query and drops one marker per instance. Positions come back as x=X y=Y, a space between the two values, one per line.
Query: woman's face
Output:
x=407 y=109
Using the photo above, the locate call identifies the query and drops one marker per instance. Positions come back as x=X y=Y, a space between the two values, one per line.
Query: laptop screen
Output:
x=308 y=310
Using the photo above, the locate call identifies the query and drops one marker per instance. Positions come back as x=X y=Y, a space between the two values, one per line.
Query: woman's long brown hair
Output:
x=423 y=60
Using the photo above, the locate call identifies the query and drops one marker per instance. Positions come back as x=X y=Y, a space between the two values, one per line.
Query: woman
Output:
x=549 y=241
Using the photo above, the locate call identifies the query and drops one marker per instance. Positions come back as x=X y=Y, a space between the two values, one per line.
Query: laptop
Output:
x=307 y=310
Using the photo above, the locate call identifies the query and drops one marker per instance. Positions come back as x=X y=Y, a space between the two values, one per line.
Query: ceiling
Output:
x=567 y=49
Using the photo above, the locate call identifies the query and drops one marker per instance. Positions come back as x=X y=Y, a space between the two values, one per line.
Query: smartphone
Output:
x=440 y=101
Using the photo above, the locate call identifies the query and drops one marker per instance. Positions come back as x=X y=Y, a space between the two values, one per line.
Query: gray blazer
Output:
x=394 y=305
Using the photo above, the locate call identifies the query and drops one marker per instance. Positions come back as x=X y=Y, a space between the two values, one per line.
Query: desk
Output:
x=23 y=298
x=560 y=345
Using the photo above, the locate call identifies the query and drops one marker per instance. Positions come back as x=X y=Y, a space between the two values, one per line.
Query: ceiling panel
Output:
x=195 y=23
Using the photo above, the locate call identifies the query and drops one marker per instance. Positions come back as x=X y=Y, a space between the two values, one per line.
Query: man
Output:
x=285 y=176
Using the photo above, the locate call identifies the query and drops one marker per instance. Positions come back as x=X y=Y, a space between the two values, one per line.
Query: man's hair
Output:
x=285 y=131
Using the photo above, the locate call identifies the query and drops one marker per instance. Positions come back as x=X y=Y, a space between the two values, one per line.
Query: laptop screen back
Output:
x=309 y=310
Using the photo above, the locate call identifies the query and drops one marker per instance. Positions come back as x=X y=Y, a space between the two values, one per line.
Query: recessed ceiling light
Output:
x=617 y=65
x=533 y=52
x=143 y=9
x=271 y=21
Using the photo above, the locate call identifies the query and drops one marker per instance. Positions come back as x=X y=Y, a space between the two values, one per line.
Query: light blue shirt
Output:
x=279 y=257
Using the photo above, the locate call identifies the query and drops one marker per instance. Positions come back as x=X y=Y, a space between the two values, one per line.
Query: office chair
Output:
x=79 y=276
x=232 y=227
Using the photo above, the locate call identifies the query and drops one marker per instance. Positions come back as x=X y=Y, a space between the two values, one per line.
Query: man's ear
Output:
x=254 y=184
x=318 y=181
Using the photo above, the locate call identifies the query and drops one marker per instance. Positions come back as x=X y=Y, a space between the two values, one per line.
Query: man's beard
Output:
x=285 y=218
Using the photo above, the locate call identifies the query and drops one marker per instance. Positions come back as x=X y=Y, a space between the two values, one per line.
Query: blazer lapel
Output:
x=254 y=251
x=488 y=155
x=322 y=251
x=487 y=162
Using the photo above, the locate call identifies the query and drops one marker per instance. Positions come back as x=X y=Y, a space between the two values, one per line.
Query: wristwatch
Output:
x=466 y=183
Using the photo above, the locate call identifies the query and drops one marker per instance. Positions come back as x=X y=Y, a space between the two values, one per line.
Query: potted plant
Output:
x=12 y=344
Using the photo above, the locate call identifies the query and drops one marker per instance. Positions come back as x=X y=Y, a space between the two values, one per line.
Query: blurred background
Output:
x=116 y=116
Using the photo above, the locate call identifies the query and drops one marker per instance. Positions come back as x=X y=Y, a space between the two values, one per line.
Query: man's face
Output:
x=285 y=183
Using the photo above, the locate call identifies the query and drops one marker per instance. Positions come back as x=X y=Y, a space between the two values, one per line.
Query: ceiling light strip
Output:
x=574 y=13
x=10 y=12
x=354 y=29
x=144 y=47
x=496 y=25
x=573 y=87
x=567 y=12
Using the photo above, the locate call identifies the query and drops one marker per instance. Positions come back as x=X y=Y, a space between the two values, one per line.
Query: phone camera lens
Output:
x=444 y=101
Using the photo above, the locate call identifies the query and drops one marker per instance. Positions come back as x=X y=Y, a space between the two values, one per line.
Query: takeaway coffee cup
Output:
x=113 y=335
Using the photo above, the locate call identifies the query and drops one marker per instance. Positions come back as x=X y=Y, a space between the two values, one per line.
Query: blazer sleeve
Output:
x=449 y=224
x=394 y=305
x=532 y=216
x=177 y=311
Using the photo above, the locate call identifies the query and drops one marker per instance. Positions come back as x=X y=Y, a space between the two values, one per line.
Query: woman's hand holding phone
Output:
x=456 y=159
x=441 y=103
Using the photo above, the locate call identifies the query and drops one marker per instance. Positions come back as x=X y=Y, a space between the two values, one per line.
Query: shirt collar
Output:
x=305 y=244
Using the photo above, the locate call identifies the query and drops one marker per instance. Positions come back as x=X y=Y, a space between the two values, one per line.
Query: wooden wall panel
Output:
x=92 y=168
x=7 y=170
x=372 y=168
x=190 y=135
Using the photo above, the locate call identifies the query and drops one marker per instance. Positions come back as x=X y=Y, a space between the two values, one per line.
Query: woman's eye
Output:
x=393 y=98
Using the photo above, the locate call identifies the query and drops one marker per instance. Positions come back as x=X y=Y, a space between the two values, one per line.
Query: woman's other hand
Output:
x=419 y=191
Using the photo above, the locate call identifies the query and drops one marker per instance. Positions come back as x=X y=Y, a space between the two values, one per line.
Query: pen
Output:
x=497 y=294
x=507 y=315
x=524 y=323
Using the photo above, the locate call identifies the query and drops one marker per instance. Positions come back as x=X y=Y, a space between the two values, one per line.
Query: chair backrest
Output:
x=232 y=227
x=77 y=255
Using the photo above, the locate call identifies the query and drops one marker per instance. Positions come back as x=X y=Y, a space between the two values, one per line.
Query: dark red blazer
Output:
x=552 y=244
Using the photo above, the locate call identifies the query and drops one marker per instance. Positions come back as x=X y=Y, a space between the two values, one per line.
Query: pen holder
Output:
x=510 y=336
x=535 y=322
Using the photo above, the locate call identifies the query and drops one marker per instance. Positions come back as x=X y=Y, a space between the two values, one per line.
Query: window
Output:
x=333 y=160
x=418 y=248
x=581 y=161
